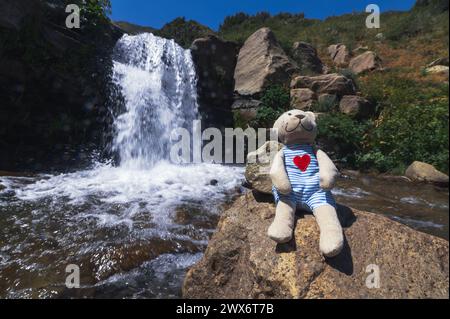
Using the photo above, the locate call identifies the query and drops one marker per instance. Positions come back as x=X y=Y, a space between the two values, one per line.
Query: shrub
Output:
x=409 y=133
x=275 y=101
x=343 y=136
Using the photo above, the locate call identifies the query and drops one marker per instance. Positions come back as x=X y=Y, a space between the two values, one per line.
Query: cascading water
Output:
x=157 y=78
x=133 y=227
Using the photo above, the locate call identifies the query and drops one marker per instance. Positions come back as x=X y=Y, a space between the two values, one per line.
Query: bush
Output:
x=410 y=133
x=275 y=101
x=343 y=136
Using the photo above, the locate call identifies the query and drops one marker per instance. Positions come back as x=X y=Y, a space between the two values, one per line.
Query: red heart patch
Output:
x=302 y=162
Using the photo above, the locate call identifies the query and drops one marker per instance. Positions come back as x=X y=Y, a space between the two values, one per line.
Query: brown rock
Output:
x=423 y=172
x=302 y=99
x=368 y=61
x=356 y=106
x=258 y=167
x=242 y=262
x=329 y=83
x=262 y=63
x=247 y=109
x=307 y=58
x=339 y=54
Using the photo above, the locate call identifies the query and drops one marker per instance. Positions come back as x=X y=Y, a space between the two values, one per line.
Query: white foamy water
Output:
x=158 y=81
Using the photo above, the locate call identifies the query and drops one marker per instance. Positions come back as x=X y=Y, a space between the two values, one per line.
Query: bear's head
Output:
x=296 y=127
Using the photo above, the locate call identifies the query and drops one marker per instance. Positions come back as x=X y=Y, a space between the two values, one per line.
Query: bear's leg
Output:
x=282 y=228
x=331 y=233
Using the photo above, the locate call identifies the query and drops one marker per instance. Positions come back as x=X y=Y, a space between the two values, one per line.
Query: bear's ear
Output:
x=311 y=115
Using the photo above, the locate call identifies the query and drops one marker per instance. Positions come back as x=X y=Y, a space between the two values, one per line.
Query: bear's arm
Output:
x=279 y=175
x=327 y=170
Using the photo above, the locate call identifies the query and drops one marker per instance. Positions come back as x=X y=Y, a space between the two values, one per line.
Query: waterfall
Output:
x=158 y=81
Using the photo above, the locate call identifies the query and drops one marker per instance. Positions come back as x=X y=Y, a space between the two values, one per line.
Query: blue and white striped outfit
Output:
x=306 y=190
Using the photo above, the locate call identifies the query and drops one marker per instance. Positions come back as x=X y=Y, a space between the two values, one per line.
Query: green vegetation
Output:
x=275 y=101
x=413 y=124
x=183 y=32
x=131 y=28
x=429 y=20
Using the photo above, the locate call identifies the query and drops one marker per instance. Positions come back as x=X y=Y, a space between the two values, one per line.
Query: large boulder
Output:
x=368 y=61
x=241 y=261
x=262 y=63
x=356 y=106
x=339 y=54
x=423 y=172
x=328 y=83
x=215 y=61
x=257 y=171
x=307 y=58
x=302 y=99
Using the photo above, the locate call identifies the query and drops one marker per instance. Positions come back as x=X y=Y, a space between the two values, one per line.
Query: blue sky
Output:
x=156 y=13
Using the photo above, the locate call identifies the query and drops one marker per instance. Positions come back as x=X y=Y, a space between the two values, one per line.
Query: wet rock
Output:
x=302 y=99
x=423 y=172
x=117 y=259
x=366 y=62
x=262 y=63
x=307 y=58
x=2 y=187
x=356 y=106
x=339 y=54
x=215 y=61
x=242 y=262
x=258 y=167
x=334 y=83
x=214 y=182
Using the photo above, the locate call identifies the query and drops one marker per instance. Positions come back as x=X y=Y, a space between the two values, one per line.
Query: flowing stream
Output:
x=134 y=228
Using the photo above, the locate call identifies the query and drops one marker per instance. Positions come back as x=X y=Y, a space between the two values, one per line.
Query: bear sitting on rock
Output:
x=303 y=177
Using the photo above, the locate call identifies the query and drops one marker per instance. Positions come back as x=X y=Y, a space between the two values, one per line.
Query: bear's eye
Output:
x=290 y=114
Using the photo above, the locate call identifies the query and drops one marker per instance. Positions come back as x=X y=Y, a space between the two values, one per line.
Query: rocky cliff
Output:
x=53 y=84
x=242 y=262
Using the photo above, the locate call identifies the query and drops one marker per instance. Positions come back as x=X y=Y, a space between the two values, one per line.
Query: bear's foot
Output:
x=331 y=233
x=282 y=228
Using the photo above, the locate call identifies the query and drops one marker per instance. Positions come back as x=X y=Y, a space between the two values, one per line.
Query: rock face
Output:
x=262 y=63
x=329 y=83
x=258 y=167
x=307 y=58
x=302 y=99
x=54 y=85
x=356 y=106
x=423 y=172
x=247 y=108
x=215 y=61
x=368 y=61
x=242 y=262
x=339 y=54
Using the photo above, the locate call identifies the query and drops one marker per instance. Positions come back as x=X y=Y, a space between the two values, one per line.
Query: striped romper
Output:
x=302 y=169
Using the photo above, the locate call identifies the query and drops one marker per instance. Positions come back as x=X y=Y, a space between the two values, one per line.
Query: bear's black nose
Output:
x=300 y=116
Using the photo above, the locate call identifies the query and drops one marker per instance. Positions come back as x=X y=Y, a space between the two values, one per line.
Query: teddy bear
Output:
x=303 y=177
